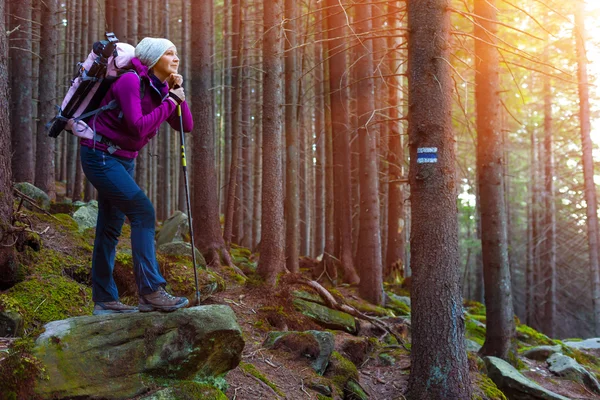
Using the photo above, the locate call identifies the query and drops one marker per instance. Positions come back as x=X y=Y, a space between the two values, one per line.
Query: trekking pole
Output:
x=187 y=197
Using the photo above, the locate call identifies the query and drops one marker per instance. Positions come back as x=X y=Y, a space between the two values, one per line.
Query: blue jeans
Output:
x=120 y=196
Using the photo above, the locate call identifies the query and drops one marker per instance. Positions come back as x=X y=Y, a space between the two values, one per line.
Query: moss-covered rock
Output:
x=182 y=249
x=489 y=388
x=353 y=391
x=341 y=370
x=42 y=299
x=398 y=304
x=19 y=370
x=532 y=337
x=86 y=216
x=41 y=198
x=326 y=317
x=317 y=346
x=188 y=390
x=119 y=356
x=475 y=331
x=173 y=229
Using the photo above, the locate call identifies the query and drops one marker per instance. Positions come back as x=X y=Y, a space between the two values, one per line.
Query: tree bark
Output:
x=338 y=92
x=7 y=253
x=21 y=90
x=44 y=175
x=549 y=254
x=496 y=272
x=272 y=257
x=292 y=196
x=206 y=207
x=320 y=160
x=588 y=163
x=439 y=368
x=395 y=240
x=369 y=236
x=236 y=106
x=120 y=27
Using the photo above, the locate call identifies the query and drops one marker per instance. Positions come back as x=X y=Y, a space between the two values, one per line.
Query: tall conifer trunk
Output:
x=338 y=92
x=439 y=368
x=369 y=236
x=272 y=257
x=496 y=272
x=7 y=254
x=21 y=92
x=44 y=176
x=588 y=163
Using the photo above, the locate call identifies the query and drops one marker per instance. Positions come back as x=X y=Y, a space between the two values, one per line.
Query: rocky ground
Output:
x=296 y=346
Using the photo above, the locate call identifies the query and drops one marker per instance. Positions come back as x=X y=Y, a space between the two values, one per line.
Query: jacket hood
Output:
x=140 y=68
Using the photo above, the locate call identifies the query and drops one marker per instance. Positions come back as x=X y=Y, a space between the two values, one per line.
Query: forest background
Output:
x=303 y=142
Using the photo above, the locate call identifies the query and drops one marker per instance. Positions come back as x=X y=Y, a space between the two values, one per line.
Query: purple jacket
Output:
x=140 y=118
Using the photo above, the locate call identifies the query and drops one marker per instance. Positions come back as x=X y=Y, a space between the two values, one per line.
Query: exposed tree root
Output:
x=334 y=304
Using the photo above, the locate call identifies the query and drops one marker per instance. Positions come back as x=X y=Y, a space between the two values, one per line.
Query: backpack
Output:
x=108 y=60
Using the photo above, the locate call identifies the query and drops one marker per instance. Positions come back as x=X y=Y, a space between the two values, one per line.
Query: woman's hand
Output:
x=177 y=95
x=175 y=80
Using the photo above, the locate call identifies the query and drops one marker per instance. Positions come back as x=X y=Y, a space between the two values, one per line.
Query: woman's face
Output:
x=168 y=63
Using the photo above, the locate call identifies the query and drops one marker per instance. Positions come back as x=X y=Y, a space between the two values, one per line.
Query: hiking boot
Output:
x=112 y=307
x=161 y=301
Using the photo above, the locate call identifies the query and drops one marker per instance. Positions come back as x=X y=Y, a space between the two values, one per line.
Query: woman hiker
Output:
x=108 y=163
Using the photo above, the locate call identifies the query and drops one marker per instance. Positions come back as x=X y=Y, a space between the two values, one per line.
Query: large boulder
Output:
x=41 y=198
x=86 y=216
x=326 y=317
x=541 y=353
x=566 y=367
x=120 y=356
x=588 y=344
x=514 y=384
x=317 y=346
x=182 y=249
x=173 y=229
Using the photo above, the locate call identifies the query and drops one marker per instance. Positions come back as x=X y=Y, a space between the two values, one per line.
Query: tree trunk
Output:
x=21 y=92
x=120 y=27
x=245 y=216
x=272 y=255
x=7 y=253
x=79 y=51
x=206 y=207
x=320 y=160
x=369 y=236
x=439 y=368
x=588 y=164
x=44 y=175
x=549 y=254
x=236 y=106
x=338 y=92
x=395 y=240
x=292 y=196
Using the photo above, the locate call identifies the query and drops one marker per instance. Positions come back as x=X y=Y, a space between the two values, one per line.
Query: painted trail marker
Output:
x=427 y=155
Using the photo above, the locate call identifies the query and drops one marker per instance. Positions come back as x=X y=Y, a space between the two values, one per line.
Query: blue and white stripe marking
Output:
x=427 y=155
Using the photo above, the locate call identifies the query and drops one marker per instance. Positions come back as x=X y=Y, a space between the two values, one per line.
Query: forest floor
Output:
x=378 y=362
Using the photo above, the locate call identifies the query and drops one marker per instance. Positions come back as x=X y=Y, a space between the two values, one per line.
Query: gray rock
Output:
x=588 y=344
x=86 y=216
x=41 y=198
x=11 y=324
x=514 y=384
x=566 y=367
x=472 y=346
x=541 y=353
x=120 y=356
x=173 y=229
x=314 y=345
x=182 y=249
x=353 y=391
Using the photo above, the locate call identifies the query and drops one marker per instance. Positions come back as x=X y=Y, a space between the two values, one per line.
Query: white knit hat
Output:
x=150 y=50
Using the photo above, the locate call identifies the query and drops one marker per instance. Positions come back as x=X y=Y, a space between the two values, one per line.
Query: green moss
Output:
x=399 y=307
x=251 y=369
x=234 y=276
x=323 y=397
x=40 y=300
x=474 y=307
x=371 y=309
x=532 y=337
x=19 y=371
x=489 y=388
x=341 y=370
x=188 y=390
x=474 y=331
x=587 y=360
